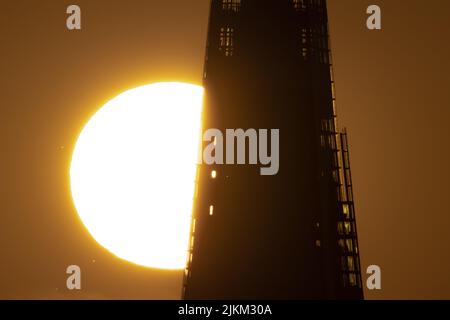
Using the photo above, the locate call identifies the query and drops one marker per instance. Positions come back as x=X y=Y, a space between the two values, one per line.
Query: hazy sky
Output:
x=393 y=96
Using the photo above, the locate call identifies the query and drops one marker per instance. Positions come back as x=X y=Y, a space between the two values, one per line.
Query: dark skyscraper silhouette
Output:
x=291 y=235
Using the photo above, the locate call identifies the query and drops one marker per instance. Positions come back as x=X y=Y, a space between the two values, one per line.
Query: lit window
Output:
x=303 y=37
x=211 y=210
x=305 y=53
x=318 y=243
x=299 y=5
x=214 y=174
x=350 y=263
x=352 y=280
x=231 y=5
x=227 y=41
x=304 y=43
x=346 y=211
x=347 y=227
x=349 y=245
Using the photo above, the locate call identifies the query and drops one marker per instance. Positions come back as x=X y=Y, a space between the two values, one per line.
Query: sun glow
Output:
x=133 y=173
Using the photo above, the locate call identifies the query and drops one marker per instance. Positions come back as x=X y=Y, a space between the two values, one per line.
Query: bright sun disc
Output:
x=133 y=173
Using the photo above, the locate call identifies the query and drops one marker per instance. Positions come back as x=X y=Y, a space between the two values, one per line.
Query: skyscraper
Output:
x=291 y=235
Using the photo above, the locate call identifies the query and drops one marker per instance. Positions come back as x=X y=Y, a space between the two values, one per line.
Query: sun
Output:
x=133 y=173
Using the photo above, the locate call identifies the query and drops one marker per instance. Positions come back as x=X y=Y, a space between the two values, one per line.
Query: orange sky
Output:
x=393 y=95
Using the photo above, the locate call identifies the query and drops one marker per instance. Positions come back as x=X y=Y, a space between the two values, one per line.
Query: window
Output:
x=349 y=245
x=336 y=177
x=314 y=44
x=227 y=41
x=346 y=160
x=331 y=124
x=231 y=5
x=299 y=5
x=350 y=263
x=304 y=37
x=352 y=280
x=318 y=243
x=341 y=245
x=211 y=210
x=344 y=264
x=214 y=174
x=305 y=53
x=324 y=125
x=350 y=193
x=340 y=228
x=322 y=44
x=347 y=228
x=340 y=194
x=332 y=142
x=346 y=211
x=345 y=279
